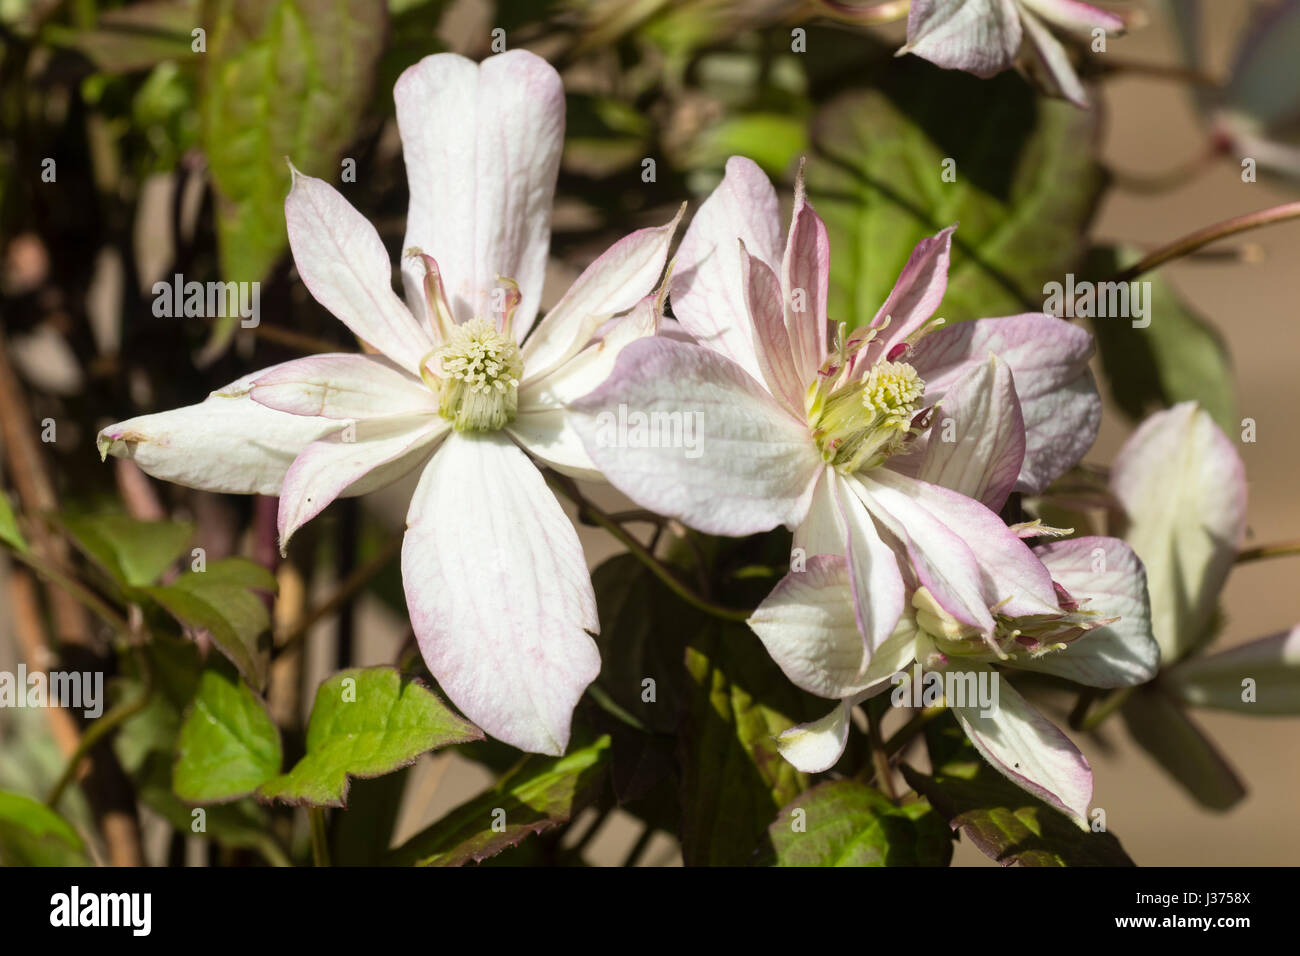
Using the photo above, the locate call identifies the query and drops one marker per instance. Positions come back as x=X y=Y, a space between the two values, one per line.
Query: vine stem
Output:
x=320 y=853
x=1203 y=237
x=1277 y=550
x=101 y=729
x=1081 y=718
x=569 y=489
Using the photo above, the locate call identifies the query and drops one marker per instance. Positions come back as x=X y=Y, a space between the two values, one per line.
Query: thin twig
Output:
x=1277 y=550
x=1203 y=237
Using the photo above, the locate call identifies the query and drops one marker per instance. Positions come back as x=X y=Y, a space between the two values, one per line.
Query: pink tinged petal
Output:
x=482 y=146
x=978 y=36
x=776 y=361
x=822 y=530
x=499 y=593
x=976 y=445
x=940 y=559
x=1104 y=576
x=805 y=277
x=343 y=386
x=876 y=583
x=543 y=425
x=1184 y=487
x=819 y=744
x=226 y=443
x=1049 y=362
x=344 y=265
x=1029 y=750
x=625 y=274
x=917 y=293
x=549 y=436
x=1009 y=575
x=1270 y=664
x=808 y=626
x=580 y=374
x=708 y=292
x=359 y=458
x=1055 y=59
x=1075 y=16
x=735 y=461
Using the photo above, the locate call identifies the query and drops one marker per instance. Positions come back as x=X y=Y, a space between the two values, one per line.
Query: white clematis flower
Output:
x=831 y=441
x=985 y=37
x=498 y=590
x=1099 y=635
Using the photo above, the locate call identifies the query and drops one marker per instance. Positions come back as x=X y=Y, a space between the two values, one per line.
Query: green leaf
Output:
x=223 y=601
x=281 y=78
x=228 y=746
x=773 y=140
x=366 y=722
x=1178 y=357
x=133 y=553
x=847 y=823
x=1177 y=744
x=1026 y=184
x=733 y=779
x=9 y=532
x=1004 y=822
x=31 y=834
x=541 y=793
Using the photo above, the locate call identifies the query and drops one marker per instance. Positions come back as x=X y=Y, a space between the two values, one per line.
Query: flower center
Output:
x=478 y=370
x=861 y=423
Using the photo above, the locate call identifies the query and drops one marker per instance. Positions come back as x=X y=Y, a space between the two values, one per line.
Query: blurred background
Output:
x=170 y=159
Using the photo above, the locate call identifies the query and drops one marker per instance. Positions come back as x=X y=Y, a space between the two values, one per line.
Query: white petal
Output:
x=1104 y=576
x=1049 y=361
x=765 y=305
x=343 y=386
x=499 y=593
x=730 y=460
x=987 y=432
x=543 y=425
x=978 y=36
x=624 y=275
x=818 y=745
x=708 y=294
x=877 y=585
x=808 y=626
x=482 y=147
x=356 y=460
x=822 y=530
x=805 y=273
x=344 y=265
x=1060 y=75
x=225 y=443
x=1184 y=487
x=1029 y=750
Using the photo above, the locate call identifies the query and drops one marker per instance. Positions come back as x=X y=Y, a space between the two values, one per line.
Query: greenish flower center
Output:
x=861 y=423
x=477 y=372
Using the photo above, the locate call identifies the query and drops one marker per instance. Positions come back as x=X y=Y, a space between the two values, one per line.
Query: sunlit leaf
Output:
x=228 y=746
x=366 y=722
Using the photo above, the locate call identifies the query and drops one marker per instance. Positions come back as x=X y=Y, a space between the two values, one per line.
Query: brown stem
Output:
x=1203 y=237
x=1277 y=550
